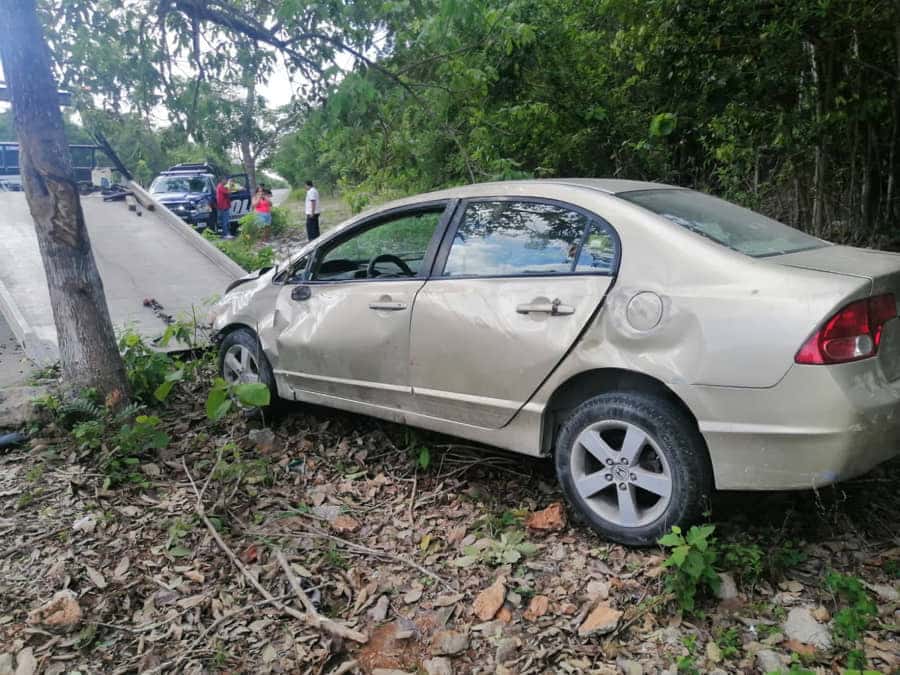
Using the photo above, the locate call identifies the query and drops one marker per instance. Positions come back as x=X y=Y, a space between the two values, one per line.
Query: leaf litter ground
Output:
x=444 y=558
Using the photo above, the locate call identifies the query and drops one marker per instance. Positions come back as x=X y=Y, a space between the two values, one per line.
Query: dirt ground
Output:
x=405 y=540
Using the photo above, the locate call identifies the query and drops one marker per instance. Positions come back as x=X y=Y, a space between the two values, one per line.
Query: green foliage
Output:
x=147 y=370
x=424 y=458
x=232 y=466
x=686 y=664
x=509 y=549
x=744 y=560
x=222 y=396
x=663 y=124
x=852 y=620
x=691 y=564
x=254 y=231
x=129 y=445
x=729 y=642
x=243 y=253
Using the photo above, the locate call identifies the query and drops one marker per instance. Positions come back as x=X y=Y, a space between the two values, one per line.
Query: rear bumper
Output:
x=819 y=425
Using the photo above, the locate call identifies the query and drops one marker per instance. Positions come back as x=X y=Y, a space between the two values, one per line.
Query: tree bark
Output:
x=87 y=345
x=248 y=158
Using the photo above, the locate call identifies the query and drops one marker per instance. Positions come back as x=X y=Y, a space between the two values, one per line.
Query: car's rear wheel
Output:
x=242 y=361
x=632 y=465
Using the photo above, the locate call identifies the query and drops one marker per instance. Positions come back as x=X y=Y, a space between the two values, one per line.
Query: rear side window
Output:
x=728 y=224
x=512 y=238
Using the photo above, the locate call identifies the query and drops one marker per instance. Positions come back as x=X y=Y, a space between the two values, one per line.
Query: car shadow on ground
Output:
x=867 y=506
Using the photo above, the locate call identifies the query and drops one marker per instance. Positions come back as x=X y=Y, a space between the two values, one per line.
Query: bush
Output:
x=691 y=564
x=242 y=252
x=146 y=369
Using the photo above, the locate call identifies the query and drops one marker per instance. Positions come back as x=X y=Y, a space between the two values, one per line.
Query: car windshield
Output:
x=725 y=223
x=179 y=184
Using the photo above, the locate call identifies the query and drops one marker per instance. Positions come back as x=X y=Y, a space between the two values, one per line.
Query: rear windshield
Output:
x=737 y=228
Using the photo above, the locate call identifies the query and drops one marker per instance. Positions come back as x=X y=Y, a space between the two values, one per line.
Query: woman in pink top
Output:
x=262 y=206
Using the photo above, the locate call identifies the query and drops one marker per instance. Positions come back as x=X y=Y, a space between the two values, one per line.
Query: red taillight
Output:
x=853 y=333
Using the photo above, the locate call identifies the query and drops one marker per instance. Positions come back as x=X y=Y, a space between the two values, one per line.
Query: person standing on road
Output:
x=223 y=209
x=313 y=209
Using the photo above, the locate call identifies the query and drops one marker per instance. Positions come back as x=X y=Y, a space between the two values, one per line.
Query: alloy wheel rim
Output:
x=620 y=473
x=240 y=366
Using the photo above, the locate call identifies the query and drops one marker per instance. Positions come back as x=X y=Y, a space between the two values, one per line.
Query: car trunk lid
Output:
x=881 y=268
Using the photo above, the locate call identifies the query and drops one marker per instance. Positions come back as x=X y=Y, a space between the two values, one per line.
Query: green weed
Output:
x=851 y=621
x=509 y=549
x=222 y=396
x=691 y=564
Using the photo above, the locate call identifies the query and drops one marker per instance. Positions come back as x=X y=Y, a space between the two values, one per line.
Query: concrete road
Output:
x=15 y=367
x=154 y=255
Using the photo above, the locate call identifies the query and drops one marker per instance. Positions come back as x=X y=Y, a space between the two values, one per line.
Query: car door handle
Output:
x=555 y=308
x=388 y=306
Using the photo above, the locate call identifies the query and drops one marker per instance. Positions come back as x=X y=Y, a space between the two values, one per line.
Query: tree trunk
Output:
x=87 y=345
x=248 y=158
x=820 y=153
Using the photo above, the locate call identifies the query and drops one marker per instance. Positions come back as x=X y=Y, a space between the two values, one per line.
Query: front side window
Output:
x=395 y=248
x=725 y=223
x=502 y=238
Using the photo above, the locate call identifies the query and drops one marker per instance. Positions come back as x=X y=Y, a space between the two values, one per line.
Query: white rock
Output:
x=628 y=667
x=768 y=661
x=449 y=642
x=86 y=524
x=380 y=610
x=884 y=591
x=439 y=665
x=802 y=626
x=6 y=664
x=25 y=662
x=727 y=588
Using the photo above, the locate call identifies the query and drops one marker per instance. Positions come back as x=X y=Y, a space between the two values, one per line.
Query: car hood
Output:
x=880 y=267
x=177 y=196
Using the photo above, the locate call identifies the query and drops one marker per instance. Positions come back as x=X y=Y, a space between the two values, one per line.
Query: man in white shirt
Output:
x=313 y=209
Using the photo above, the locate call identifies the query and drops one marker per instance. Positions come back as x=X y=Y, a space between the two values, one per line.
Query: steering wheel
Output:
x=371 y=272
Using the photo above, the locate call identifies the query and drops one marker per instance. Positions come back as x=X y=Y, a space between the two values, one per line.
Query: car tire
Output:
x=632 y=465
x=251 y=362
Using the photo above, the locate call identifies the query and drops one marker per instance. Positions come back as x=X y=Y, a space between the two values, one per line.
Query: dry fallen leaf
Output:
x=490 y=600
x=603 y=619
x=551 y=519
x=345 y=524
x=95 y=576
x=122 y=568
x=537 y=607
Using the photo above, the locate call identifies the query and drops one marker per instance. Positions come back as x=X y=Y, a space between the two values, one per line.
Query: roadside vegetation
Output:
x=253 y=249
x=421 y=552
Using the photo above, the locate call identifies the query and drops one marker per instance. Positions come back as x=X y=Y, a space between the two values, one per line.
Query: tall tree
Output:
x=87 y=344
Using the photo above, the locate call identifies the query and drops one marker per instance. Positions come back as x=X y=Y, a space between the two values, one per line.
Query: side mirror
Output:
x=301 y=293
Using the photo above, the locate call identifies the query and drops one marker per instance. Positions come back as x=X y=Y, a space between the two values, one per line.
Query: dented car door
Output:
x=515 y=284
x=344 y=331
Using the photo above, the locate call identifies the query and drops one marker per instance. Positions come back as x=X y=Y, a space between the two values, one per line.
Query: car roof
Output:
x=518 y=187
x=186 y=173
x=511 y=188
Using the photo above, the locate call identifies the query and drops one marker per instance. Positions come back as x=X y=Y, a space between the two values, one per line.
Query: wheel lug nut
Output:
x=609 y=462
x=608 y=476
x=622 y=486
x=634 y=476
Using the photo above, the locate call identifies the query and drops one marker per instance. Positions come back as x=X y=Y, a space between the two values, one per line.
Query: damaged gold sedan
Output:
x=659 y=343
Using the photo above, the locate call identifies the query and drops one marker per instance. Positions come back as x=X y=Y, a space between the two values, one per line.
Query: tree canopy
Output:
x=790 y=107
